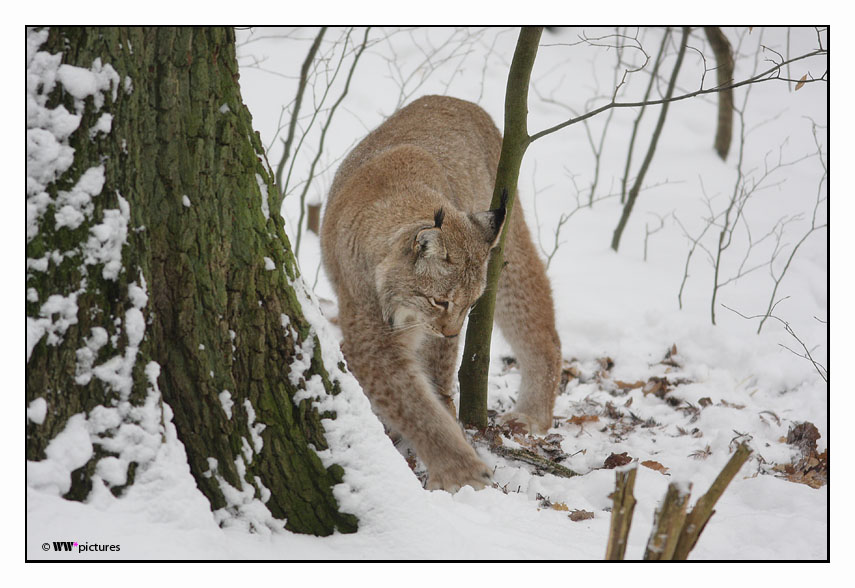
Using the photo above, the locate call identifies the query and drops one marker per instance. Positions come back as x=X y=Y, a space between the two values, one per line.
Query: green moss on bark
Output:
x=182 y=130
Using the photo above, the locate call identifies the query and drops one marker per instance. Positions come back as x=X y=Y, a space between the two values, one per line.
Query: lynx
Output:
x=405 y=240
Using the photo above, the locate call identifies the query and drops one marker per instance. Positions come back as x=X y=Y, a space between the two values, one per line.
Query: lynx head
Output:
x=439 y=271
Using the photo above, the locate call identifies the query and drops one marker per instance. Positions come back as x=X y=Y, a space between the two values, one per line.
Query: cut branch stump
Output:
x=667 y=523
x=623 y=505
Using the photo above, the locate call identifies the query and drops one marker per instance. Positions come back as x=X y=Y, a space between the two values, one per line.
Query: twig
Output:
x=301 y=88
x=645 y=165
x=668 y=522
x=648 y=232
x=813 y=227
x=637 y=122
x=700 y=515
x=820 y=369
x=765 y=76
x=327 y=87
x=623 y=505
x=320 y=149
x=541 y=463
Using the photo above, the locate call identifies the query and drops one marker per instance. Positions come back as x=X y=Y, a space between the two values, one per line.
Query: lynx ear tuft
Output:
x=492 y=221
x=438 y=217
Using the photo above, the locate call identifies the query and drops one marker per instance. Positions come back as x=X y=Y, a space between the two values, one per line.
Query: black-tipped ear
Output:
x=502 y=211
x=438 y=217
x=492 y=221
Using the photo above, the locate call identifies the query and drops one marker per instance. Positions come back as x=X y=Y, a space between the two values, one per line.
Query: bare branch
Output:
x=772 y=73
x=820 y=369
x=637 y=122
x=648 y=232
x=301 y=87
x=320 y=148
x=660 y=123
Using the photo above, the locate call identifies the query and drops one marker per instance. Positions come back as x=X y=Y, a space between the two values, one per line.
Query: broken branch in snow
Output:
x=700 y=515
x=668 y=522
x=622 y=509
x=531 y=458
x=675 y=533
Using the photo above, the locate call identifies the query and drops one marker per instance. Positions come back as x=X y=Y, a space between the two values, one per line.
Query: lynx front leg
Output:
x=439 y=356
x=524 y=312
x=403 y=396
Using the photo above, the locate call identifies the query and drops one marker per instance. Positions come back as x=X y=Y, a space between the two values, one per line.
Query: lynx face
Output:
x=438 y=273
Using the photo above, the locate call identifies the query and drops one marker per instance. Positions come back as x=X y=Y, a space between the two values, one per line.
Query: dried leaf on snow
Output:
x=655 y=465
x=616 y=460
x=581 y=419
x=580 y=515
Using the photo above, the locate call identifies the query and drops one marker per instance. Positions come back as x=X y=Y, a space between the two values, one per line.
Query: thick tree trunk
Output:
x=197 y=305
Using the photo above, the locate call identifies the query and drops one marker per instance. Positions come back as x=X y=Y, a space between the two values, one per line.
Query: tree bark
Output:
x=474 y=370
x=668 y=523
x=183 y=167
x=724 y=77
x=623 y=507
x=696 y=521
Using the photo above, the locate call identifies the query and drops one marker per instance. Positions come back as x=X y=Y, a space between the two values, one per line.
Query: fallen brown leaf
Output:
x=655 y=465
x=810 y=467
x=616 y=460
x=582 y=419
x=580 y=515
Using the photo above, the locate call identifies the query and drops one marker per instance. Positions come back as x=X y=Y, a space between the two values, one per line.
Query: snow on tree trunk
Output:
x=161 y=283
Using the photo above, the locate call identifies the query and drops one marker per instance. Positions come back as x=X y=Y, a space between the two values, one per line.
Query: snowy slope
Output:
x=726 y=383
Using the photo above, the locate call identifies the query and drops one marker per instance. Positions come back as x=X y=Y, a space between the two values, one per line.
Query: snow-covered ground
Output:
x=618 y=313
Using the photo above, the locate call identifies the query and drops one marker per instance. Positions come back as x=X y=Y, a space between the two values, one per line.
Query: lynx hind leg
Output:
x=404 y=398
x=526 y=316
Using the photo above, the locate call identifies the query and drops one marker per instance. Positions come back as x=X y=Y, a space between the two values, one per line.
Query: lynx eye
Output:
x=438 y=303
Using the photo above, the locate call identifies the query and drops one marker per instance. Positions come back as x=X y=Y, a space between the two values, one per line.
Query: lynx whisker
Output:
x=408 y=326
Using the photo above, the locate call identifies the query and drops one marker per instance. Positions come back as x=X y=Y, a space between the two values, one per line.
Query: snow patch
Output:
x=243 y=510
x=107 y=238
x=255 y=429
x=55 y=316
x=81 y=82
x=302 y=362
x=262 y=187
x=102 y=125
x=226 y=402
x=37 y=411
x=76 y=206
x=68 y=451
x=87 y=354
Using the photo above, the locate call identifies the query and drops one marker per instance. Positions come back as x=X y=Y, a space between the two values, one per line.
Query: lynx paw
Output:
x=452 y=479
x=533 y=426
